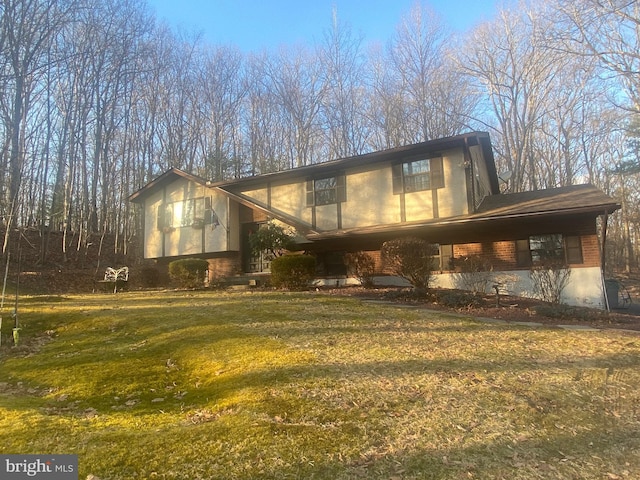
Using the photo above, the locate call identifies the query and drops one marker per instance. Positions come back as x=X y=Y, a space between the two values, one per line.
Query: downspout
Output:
x=468 y=171
x=164 y=215
x=603 y=260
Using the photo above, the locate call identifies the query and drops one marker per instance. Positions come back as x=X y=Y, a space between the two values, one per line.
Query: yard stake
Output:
x=16 y=324
x=4 y=286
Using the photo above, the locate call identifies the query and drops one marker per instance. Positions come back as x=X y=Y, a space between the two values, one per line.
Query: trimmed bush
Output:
x=188 y=272
x=293 y=272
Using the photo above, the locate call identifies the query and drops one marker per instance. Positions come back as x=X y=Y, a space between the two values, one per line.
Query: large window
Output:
x=327 y=190
x=186 y=213
x=553 y=248
x=418 y=175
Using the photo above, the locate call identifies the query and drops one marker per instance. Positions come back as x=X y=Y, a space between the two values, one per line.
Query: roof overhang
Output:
x=431 y=147
x=539 y=210
x=166 y=178
x=269 y=212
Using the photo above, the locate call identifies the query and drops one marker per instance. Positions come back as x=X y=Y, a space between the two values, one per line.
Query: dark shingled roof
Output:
x=578 y=198
x=166 y=178
x=575 y=199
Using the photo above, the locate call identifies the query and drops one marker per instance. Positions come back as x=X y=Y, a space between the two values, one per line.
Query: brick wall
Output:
x=590 y=251
x=224 y=266
x=501 y=255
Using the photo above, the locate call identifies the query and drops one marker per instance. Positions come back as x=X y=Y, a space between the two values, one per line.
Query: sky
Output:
x=255 y=25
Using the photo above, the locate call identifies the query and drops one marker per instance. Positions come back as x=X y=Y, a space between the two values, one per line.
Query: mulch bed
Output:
x=510 y=309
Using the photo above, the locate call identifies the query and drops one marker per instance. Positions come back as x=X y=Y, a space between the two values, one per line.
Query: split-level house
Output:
x=446 y=191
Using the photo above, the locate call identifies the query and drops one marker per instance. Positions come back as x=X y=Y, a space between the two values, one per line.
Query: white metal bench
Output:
x=116 y=276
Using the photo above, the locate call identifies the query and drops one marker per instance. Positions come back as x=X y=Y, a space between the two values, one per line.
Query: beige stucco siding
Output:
x=232 y=225
x=259 y=195
x=186 y=240
x=288 y=198
x=452 y=199
x=419 y=205
x=370 y=198
x=153 y=237
x=327 y=217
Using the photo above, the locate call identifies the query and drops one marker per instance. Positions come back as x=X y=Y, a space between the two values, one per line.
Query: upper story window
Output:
x=186 y=213
x=327 y=190
x=418 y=175
x=544 y=249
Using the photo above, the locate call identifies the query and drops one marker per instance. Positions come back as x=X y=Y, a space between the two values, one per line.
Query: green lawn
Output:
x=206 y=385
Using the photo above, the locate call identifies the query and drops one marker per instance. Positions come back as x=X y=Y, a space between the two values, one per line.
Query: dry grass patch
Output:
x=272 y=385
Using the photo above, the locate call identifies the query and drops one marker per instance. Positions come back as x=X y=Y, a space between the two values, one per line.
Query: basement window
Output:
x=551 y=248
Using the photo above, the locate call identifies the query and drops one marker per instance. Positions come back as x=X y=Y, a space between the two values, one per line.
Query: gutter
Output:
x=454 y=222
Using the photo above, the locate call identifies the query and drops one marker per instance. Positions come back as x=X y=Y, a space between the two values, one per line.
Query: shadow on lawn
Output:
x=603 y=452
x=232 y=386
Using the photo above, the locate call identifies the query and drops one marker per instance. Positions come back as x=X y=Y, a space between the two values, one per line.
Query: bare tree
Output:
x=264 y=124
x=608 y=30
x=223 y=89
x=531 y=92
x=386 y=108
x=416 y=92
x=417 y=55
x=294 y=78
x=344 y=102
x=27 y=28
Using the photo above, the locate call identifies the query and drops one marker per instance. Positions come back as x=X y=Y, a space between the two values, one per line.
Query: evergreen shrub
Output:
x=293 y=272
x=188 y=272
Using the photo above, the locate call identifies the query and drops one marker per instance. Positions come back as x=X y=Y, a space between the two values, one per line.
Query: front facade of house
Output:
x=445 y=191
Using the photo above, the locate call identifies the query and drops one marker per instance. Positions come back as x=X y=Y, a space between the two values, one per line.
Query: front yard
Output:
x=208 y=385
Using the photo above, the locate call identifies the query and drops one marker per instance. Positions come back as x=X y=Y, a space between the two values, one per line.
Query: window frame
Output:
x=413 y=175
x=538 y=249
x=326 y=190
x=442 y=257
x=196 y=208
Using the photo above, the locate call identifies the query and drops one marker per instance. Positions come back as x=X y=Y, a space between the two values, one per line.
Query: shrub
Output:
x=475 y=273
x=410 y=258
x=293 y=272
x=549 y=280
x=362 y=265
x=150 y=277
x=566 y=312
x=271 y=238
x=188 y=272
x=460 y=299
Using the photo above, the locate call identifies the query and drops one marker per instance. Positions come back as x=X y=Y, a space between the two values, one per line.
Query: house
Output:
x=446 y=191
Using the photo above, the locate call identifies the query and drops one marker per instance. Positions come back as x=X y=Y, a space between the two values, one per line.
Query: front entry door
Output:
x=253 y=263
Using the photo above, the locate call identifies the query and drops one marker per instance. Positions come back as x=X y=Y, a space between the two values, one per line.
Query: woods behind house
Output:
x=98 y=97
